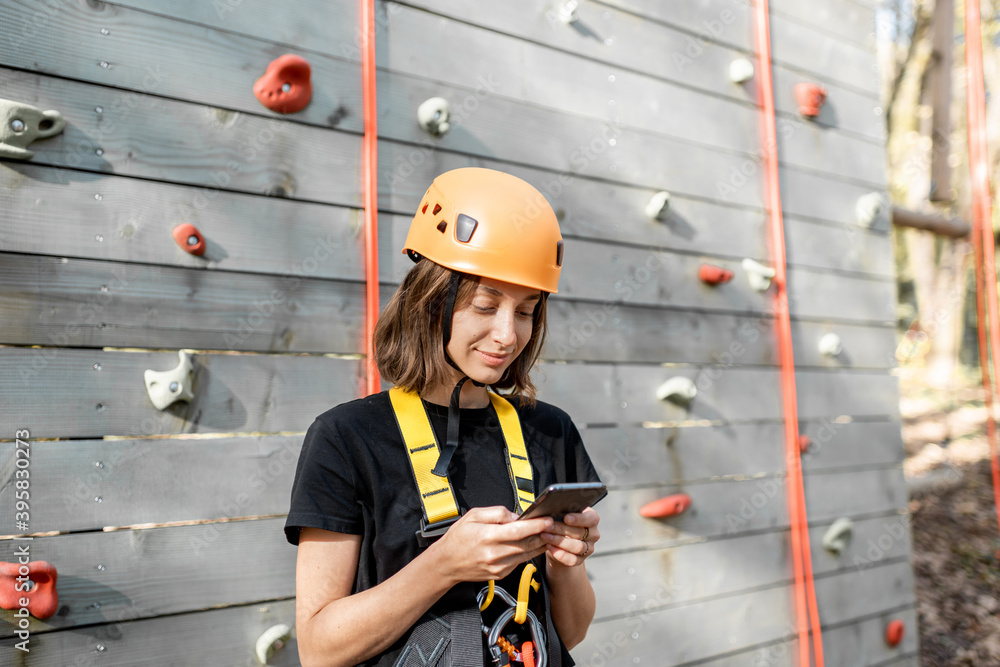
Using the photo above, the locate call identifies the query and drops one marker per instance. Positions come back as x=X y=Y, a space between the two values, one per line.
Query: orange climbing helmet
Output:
x=491 y=224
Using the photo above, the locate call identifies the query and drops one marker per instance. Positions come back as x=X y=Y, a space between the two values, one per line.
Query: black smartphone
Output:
x=558 y=500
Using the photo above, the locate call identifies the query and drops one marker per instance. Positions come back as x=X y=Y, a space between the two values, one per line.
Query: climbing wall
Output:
x=165 y=525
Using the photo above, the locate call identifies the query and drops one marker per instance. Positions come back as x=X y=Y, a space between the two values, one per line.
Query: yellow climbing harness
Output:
x=441 y=507
x=436 y=494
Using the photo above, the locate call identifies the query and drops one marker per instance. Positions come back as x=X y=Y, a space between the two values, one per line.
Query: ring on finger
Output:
x=586 y=534
x=586 y=549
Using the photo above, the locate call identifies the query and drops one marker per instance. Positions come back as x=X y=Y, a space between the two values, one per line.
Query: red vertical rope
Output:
x=982 y=215
x=369 y=170
x=805 y=593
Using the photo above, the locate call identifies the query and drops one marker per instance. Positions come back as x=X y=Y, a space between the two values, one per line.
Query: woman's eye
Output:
x=483 y=309
x=525 y=314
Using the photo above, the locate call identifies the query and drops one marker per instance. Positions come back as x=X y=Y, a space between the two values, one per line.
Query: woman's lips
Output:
x=493 y=359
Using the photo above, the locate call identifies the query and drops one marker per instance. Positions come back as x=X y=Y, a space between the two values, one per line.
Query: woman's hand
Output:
x=572 y=540
x=488 y=543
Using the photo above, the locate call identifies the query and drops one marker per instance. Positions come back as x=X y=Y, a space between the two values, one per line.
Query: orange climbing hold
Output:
x=189 y=239
x=285 y=86
x=714 y=275
x=804 y=442
x=40 y=595
x=894 y=632
x=810 y=97
x=668 y=506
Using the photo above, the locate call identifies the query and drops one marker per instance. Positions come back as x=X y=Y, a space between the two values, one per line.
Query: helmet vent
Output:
x=424 y=209
x=442 y=226
x=437 y=209
x=464 y=227
x=559 y=253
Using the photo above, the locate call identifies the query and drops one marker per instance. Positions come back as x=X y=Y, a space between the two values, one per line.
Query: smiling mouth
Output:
x=493 y=359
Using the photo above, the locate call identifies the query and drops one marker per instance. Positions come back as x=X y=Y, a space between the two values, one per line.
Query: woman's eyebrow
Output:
x=495 y=292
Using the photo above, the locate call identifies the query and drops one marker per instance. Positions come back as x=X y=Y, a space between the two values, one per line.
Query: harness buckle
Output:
x=431 y=531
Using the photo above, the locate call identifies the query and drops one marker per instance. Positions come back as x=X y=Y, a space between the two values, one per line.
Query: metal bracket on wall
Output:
x=21 y=124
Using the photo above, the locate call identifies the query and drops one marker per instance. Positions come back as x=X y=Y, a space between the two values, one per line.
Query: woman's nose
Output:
x=503 y=328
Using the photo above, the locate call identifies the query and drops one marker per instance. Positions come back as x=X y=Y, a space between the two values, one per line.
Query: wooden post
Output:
x=931 y=222
x=939 y=85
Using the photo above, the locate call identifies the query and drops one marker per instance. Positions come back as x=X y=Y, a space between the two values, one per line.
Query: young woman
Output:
x=381 y=578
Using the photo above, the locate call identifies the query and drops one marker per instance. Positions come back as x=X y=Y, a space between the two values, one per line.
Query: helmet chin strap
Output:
x=454 y=409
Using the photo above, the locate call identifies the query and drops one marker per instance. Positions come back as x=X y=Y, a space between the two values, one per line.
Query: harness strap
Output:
x=436 y=495
x=454 y=639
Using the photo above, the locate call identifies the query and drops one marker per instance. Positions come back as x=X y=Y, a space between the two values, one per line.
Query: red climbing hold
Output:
x=285 y=86
x=894 y=632
x=42 y=599
x=714 y=275
x=810 y=97
x=189 y=239
x=804 y=442
x=668 y=506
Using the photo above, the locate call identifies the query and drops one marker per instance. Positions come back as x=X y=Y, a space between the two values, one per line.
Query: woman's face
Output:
x=489 y=331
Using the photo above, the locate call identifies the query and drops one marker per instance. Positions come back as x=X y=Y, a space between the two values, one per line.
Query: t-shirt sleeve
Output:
x=324 y=491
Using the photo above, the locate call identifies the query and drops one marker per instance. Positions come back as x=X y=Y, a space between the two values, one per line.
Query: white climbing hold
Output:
x=830 y=345
x=678 y=389
x=759 y=275
x=871 y=210
x=272 y=641
x=838 y=535
x=567 y=13
x=433 y=115
x=740 y=70
x=167 y=387
x=658 y=205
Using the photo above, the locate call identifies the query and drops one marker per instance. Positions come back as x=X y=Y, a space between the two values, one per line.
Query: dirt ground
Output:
x=956 y=539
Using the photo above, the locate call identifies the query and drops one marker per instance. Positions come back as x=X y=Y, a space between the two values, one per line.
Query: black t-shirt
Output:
x=354 y=476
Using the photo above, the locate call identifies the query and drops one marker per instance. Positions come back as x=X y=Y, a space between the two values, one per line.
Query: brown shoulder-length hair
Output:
x=409 y=334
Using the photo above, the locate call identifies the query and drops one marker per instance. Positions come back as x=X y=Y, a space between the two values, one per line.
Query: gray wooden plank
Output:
x=702 y=630
x=154 y=54
x=850 y=21
x=736 y=506
x=812 y=196
x=55 y=212
x=157 y=571
x=153 y=137
x=316 y=25
x=806 y=48
x=827 y=57
x=716 y=568
x=63 y=302
x=860 y=644
x=91 y=393
x=56 y=300
x=724 y=393
x=406 y=170
x=841 y=247
x=223 y=637
x=638 y=101
x=264 y=393
x=152 y=481
x=86 y=303
x=634 y=456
